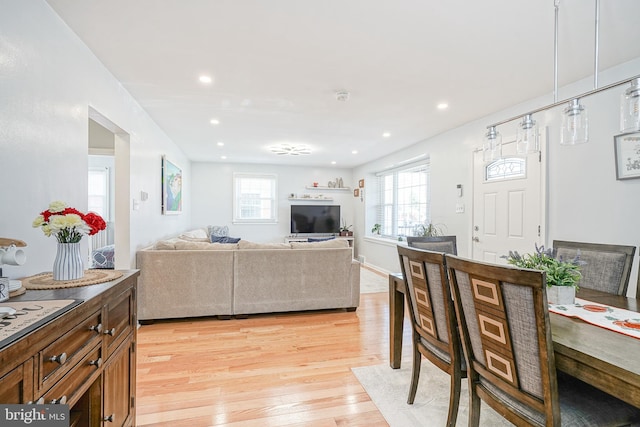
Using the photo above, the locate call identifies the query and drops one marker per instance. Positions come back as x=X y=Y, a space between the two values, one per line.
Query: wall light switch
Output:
x=136 y=205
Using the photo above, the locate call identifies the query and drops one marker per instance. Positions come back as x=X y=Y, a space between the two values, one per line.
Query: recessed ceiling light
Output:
x=220 y=144
x=214 y=121
x=223 y=157
x=290 y=149
x=333 y=162
x=443 y=106
x=205 y=79
x=354 y=152
x=386 y=135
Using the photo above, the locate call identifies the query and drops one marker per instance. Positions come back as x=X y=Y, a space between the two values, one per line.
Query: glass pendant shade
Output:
x=630 y=108
x=575 y=124
x=527 y=136
x=492 y=145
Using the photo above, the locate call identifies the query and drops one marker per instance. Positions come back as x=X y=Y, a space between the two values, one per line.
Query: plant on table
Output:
x=427 y=230
x=377 y=228
x=559 y=271
x=345 y=230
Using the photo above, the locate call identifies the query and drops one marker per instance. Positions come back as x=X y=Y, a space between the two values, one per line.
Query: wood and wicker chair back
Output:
x=446 y=244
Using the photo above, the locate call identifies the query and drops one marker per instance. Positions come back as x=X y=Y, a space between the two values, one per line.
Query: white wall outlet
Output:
x=459 y=207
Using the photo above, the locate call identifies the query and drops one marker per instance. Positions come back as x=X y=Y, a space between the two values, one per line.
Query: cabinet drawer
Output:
x=56 y=359
x=71 y=386
x=119 y=320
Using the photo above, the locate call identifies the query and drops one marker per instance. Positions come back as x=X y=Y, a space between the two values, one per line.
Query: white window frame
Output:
x=105 y=173
x=241 y=199
x=388 y=208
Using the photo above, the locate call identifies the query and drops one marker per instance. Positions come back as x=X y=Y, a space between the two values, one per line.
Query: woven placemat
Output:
x=91 y=277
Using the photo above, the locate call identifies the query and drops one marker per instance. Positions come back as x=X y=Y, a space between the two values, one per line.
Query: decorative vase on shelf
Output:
x=68 y=263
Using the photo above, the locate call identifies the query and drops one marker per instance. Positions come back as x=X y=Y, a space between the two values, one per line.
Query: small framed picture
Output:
x=361 y=183
x=356 y=192
x=627 y=151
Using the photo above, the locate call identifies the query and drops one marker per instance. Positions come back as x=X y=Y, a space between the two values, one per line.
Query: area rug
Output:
x=388 y=389
x=372 y=281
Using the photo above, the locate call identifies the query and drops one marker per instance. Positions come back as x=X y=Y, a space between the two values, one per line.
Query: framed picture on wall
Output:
x=171 y=187
x=627 y=150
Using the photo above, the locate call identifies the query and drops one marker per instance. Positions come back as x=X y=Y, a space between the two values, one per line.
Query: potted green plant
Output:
x=345 y=230
x=562 y=276
x=427 y=230
x=377 y=228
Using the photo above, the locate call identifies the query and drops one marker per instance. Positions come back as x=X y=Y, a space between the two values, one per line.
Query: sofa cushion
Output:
x=245 y=244
x=169 y=244
x=224 y=239
x=335 y=243
x=182 y=245
x=197 y=235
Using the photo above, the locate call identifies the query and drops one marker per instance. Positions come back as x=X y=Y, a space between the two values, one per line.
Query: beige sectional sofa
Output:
x=181 y=278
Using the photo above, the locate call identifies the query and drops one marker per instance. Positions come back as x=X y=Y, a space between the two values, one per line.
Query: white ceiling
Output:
x=277 y=65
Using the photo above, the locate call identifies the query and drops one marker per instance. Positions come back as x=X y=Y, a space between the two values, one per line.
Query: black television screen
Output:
x=315 y=218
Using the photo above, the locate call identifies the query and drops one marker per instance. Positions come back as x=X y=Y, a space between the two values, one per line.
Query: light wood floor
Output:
x=267 y=370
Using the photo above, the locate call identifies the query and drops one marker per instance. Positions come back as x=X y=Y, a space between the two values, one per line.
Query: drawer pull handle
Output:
x=97 y=363
x=97 y=328
x=109 y=418
x=37 y=402
x=111 y=331
x=60 y=401
x=61 y=358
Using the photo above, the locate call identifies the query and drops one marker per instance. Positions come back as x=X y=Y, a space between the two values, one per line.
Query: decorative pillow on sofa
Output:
x=197 y=235
x=224 y=239
x=218 y=230
x=320 y=239
x=335 y=243
x=245 y=244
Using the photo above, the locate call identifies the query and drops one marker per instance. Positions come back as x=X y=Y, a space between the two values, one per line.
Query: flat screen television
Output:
x=315 y=219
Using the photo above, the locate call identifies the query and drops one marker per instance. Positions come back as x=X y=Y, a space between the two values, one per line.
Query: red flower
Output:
x=94 y=221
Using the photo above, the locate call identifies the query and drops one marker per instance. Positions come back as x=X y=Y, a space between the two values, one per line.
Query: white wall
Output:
x=49 y=80
x=585 y=201
x=212 y=193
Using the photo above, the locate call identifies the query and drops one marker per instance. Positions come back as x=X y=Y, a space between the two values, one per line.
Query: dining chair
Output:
x=433 y=322
x=506 y=336
x=446 y=244
x=607 y=267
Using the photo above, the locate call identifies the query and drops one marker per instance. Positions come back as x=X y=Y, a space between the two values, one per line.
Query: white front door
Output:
x=508 y=203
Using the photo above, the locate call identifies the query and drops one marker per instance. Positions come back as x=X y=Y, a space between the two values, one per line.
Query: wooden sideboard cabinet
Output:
x=84 y=357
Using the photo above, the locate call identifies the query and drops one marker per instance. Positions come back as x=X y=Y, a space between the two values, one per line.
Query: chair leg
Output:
x=454 y=399
x=474 y=408
x=415 y=374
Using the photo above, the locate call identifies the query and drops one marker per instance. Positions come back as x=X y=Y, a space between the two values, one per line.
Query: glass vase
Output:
x=68 y=263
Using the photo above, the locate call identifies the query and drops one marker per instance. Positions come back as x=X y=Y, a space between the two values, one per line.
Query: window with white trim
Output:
x=255 y=198
x=404 y=200
x=98 y=194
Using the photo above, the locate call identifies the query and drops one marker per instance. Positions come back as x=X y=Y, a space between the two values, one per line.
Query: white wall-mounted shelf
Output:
x=311 y=187
x=312 y=199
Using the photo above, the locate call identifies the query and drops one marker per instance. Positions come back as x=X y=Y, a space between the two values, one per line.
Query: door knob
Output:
x=476 y=239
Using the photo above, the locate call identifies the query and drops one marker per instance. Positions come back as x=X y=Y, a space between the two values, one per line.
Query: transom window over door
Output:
x=404 y=200
x=254 y=198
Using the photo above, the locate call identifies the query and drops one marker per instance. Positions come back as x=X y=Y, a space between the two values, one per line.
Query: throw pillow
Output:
x=218 y=230
x=224 y=239
x=320 y=239
x=197 y=235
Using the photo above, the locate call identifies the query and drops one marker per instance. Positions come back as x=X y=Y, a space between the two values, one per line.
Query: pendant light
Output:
x=527 y=136
x=575 y=124
x=630 y=108
x=492 y=145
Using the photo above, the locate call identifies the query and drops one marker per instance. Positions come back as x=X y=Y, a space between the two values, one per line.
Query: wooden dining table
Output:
x=603 y=358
